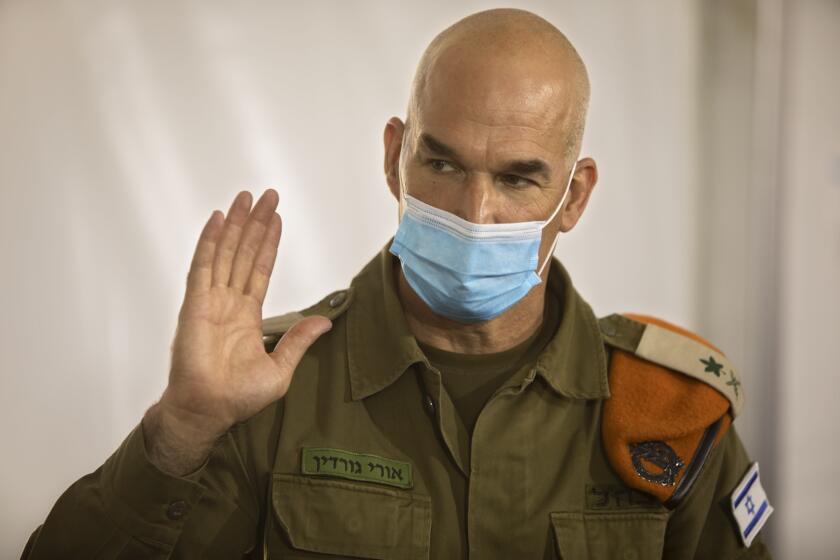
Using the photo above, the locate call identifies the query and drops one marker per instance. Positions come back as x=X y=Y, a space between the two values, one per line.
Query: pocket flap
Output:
x=337 y=517
x=606 y=536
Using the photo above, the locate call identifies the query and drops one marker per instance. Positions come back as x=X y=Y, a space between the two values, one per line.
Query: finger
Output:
x=264 y=261
x=294 y=344
x=201 y=269
x=252 y=236
x=226 y=248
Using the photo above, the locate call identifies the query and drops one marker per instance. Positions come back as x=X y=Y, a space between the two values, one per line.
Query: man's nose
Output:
x=476 y=199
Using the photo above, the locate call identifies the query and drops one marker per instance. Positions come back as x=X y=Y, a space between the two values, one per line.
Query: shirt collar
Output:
x=380 y=346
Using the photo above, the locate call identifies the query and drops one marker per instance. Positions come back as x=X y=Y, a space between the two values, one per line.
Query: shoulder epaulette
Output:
x=331 y=307
x=673 y=396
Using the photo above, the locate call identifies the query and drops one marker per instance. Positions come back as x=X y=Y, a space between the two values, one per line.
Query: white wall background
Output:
x=810 y=280
x=124 y=124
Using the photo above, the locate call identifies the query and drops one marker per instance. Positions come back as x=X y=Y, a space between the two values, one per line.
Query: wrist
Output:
x=174 y=447
x=189 y=425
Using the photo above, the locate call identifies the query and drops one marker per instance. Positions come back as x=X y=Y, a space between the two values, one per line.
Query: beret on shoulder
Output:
x=673 y=395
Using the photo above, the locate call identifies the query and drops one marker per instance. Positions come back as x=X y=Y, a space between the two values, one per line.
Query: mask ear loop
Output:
x=401 y=198
x=553 y=214
x=401 y=203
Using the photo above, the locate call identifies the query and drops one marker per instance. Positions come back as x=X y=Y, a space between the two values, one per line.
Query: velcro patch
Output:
x=611 y=496
x=750 y=506
x=326 y=461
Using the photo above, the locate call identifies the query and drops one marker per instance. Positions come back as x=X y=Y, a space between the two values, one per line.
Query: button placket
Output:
x=499 y=477
x=448 y=423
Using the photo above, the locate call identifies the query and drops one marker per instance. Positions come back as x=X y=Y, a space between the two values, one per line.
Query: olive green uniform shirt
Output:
x=471 y=379
x=367 y=457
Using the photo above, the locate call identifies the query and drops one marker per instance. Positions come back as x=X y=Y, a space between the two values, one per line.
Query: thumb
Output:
x=294 y=344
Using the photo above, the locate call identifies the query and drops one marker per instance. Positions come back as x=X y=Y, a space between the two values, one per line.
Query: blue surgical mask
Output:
x=465 y=271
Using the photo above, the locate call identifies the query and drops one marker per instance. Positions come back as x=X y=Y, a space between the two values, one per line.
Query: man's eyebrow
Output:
x=529 y=167
x=534 y=166
x=436 y=146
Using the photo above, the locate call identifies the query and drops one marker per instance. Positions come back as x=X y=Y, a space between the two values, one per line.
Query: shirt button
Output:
x=429 y=404
x=338 y=299
x=176 y=510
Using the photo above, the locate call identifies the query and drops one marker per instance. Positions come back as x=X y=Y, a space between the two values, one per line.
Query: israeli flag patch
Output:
x=750 y=506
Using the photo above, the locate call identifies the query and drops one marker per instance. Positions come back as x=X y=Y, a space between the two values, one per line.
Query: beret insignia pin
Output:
x=660 y=455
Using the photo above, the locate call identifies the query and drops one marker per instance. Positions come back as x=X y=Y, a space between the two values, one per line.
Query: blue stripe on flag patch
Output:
x=755 y=519
x=746 y=489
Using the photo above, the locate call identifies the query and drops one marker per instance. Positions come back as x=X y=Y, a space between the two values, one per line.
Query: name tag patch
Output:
x=609 y=497
x=326 y=461
x=750 y=506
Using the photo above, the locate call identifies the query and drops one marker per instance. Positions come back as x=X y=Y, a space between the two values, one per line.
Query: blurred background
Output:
x=715 y=125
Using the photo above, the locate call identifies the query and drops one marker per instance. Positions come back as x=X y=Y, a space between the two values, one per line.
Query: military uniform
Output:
x=367 y=456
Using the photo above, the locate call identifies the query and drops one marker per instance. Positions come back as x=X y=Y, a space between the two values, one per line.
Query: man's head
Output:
x=494 y=124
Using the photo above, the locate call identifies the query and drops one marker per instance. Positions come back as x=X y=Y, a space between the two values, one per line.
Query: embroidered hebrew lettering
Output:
x=600 y=497
x=610 y=496
x=347 y=464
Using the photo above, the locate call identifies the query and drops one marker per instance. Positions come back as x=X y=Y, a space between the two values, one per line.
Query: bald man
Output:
x=459 y=398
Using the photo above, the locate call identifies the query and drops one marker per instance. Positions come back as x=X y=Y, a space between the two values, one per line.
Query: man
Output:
x=459 y=398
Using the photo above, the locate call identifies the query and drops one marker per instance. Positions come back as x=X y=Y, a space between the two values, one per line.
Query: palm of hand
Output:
x=224 y=370
x=221 y=373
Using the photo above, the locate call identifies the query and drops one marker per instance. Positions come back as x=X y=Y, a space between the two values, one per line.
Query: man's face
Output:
x=487 y=158
x=487 y=140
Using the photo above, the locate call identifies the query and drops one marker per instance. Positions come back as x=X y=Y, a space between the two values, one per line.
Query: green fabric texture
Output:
x=471 y=379
x=516 y=485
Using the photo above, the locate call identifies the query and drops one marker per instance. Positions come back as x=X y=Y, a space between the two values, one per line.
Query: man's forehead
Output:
x=491 y=120
x=522 y=92
x=487 y=126
x=502 y=74
x=504 y=98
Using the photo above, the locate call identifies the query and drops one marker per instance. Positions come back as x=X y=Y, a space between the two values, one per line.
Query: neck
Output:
x=506 y=331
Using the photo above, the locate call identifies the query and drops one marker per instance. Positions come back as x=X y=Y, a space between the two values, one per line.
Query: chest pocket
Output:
x=609 y=536
x=348 y=519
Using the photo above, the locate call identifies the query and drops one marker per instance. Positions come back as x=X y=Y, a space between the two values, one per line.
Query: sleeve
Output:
x=128 y=508
x=702 y=526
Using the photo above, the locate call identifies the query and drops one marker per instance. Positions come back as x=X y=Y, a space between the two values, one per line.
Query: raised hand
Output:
x=220 y=372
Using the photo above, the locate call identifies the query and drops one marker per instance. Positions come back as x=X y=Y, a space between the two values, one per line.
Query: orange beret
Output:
x=673 y=395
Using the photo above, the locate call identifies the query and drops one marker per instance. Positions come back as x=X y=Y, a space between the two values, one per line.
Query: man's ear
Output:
x=393 y=137
x=583 y=182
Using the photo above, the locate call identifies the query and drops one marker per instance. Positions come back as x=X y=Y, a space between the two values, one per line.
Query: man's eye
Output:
x=515 y=181
x=440 y=165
